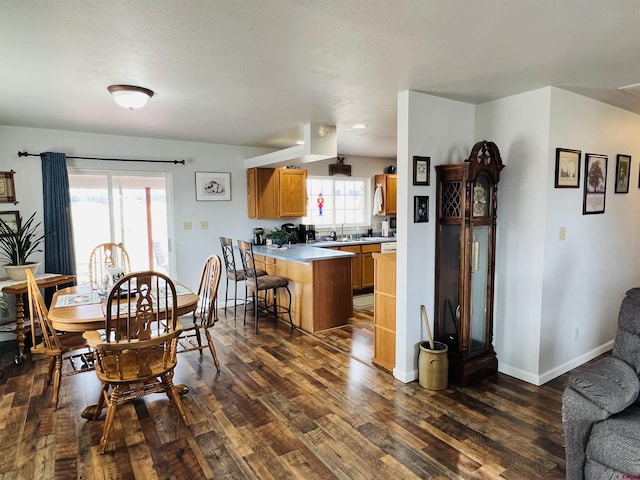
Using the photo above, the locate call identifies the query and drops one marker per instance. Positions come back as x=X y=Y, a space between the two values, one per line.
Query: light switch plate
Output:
x=204 y=225
x=563 y=233
x=187 y=225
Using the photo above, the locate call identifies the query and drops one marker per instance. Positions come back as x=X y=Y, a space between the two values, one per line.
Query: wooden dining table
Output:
x=81 y=317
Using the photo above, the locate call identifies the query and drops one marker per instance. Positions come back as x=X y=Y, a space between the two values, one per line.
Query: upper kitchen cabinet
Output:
x=276 y=192
x=385 y=198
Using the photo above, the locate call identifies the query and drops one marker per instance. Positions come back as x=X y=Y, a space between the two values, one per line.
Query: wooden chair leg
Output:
x=167 y=380
x=199 y=339
x=112 y=405
x=56 y=381
x=212 y=348
x=104 y=393
x=50 y=369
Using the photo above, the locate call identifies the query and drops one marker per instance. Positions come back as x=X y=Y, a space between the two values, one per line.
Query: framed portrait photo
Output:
x=567 y=168
x=211 y=186
x=7 y=188
x=421 y=167
x=623 y=170
x=595 y=183
x=420 y=209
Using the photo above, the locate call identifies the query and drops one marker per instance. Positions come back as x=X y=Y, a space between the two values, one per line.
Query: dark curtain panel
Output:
x=59 y=256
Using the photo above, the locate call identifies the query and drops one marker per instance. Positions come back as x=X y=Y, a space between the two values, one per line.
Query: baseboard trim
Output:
x=549 y=375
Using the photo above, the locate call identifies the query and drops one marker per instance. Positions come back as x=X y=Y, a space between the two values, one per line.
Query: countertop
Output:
x=311 y=252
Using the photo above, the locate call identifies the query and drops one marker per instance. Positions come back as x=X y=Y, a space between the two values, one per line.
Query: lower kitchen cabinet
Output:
x=362 y=275
x=384 y=310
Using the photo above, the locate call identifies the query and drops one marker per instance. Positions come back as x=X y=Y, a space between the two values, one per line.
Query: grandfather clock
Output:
x=465 y=261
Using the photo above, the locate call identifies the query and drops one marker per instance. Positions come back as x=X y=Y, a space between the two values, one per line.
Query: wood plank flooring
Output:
x=285 y=406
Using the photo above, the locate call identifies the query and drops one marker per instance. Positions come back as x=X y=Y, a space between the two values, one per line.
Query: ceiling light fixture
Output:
x=358 y=126
x=130 y=96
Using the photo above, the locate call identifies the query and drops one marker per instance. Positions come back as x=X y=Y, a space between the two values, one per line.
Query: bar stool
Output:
x=233 y=274
x=262 y=283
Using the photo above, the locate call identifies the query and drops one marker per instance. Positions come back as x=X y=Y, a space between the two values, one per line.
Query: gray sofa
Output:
x=601 y=408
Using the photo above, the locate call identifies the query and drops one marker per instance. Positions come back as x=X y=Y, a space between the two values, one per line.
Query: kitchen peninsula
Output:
x=320 y=280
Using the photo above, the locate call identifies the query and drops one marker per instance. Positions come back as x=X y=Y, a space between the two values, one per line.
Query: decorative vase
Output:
x=17 y=272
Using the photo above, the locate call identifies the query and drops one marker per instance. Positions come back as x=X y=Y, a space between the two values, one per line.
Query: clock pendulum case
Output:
x=465 y=261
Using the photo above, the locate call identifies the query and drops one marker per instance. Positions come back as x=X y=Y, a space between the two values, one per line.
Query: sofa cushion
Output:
x=609 y=383
x=615 y=442
x=627 y=342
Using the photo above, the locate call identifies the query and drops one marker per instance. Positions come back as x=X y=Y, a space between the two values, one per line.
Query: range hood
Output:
x=320 y=143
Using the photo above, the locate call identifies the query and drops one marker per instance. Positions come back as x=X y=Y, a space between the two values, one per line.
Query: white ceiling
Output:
x=253 y=72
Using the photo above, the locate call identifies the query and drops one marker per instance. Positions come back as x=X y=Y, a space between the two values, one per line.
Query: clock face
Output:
x=480 y=203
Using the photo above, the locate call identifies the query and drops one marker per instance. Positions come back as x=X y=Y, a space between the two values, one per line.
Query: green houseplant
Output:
x=281 y=237
x=18 y=243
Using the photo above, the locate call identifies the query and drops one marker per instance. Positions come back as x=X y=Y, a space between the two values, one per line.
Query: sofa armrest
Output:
x=592 y=395
x=611 y=384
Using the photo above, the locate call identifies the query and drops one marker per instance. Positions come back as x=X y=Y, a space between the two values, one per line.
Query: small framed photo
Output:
x=11 y=219
x=7 y=188
x=595 y=183
x=623 y=169
x=213 y=186
x=420 y=209
x=421 y=170
x=567 y=168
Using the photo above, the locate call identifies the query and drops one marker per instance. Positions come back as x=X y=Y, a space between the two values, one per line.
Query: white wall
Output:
x=442 y=129
x=519 y=126
x=191 y=246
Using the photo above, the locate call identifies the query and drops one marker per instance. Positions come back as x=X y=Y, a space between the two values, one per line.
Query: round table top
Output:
x=80 y=318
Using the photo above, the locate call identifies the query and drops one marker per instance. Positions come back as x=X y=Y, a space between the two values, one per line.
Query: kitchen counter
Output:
x=319 y=282
x=352 y=241
x=302 y=252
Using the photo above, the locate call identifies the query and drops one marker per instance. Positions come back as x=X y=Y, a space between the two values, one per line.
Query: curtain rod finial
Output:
x=22 y=154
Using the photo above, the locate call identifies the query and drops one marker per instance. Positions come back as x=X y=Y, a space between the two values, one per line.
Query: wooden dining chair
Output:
x=107 y=256
x=206 y=315
x=136 y=354
x=256 y=283
x=58 y=346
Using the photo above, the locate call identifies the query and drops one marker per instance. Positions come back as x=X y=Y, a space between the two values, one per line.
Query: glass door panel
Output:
x=479 y=275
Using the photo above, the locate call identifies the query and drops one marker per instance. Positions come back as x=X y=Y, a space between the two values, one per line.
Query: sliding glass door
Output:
x=131 y=208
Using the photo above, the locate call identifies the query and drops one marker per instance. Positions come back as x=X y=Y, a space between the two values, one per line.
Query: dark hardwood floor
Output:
x=285 y=405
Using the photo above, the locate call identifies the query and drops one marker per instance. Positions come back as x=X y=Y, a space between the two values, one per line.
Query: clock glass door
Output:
x=479 y=275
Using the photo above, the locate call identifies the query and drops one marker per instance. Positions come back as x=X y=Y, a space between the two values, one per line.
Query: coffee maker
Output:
x=290 y=228
x=258 y=236
x=306 y=233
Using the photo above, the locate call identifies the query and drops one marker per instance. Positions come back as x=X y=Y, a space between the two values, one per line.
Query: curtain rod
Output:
x=26 y=154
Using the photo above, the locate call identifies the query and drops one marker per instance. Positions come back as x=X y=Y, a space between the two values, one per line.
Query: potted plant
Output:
x=17 y=244
x=281 y=237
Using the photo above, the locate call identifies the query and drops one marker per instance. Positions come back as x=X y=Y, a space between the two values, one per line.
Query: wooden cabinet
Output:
x=389 y=185
x=384 y=310
x=276 y=192
x=362 y=274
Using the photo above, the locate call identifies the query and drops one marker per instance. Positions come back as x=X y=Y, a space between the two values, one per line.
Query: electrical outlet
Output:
x=204 y=225
x=187 y=225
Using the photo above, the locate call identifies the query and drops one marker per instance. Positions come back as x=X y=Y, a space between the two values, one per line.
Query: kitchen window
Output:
x=333 y=201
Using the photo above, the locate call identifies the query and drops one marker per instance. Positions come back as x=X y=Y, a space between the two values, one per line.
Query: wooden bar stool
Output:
x=263 y=283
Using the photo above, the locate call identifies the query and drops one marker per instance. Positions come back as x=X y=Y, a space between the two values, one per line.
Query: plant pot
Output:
x=433 y=366
x=17 y=272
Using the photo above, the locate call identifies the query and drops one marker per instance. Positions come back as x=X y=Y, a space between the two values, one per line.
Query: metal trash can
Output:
x=433 y=366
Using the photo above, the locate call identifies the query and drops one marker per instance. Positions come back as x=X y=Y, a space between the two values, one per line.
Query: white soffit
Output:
x=320 y=143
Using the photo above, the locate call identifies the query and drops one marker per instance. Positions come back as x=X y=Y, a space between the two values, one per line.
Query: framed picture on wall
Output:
x=211 y=186
x=420 y=209
x=7 y=188
x=11 y=219
x=567 y=168
x=595 y=183
x=421 y=170
x=623 y=170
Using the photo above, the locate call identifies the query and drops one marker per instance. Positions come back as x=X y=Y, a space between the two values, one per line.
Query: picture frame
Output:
x=623 y=170
x=420 y=208
x=213 y=186
x=7 y=187
x=12 y=219
x=421 y=170
x=567 y=168
x=595 y=183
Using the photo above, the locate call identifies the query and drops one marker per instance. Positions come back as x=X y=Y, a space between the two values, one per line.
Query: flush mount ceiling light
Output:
x=130 y=96
x=358 y=126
